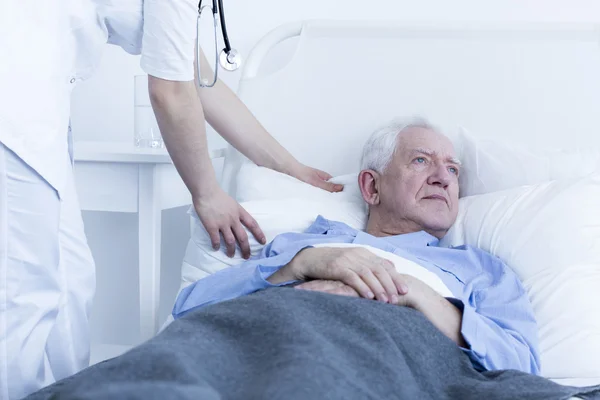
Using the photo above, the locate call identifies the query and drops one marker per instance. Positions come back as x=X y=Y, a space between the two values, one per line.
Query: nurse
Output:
x=47 y=277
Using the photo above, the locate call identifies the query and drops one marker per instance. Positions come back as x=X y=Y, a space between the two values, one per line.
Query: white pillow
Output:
x=274 y=217
x=549 y=234
x=492 y=165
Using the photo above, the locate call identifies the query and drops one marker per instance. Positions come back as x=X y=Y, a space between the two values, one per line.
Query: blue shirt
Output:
x=498 y=323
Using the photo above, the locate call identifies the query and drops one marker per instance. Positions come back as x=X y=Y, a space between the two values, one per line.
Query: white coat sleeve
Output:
x=168 y=43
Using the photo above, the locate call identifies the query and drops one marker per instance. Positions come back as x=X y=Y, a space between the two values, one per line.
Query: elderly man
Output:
x=303 y=344
x=409 y=180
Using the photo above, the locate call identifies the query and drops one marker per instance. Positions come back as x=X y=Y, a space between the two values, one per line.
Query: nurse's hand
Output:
x=315 y=177
x=222 y=215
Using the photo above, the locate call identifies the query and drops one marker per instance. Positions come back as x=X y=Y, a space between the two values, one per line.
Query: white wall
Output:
x=110 y=91
x=103 y=110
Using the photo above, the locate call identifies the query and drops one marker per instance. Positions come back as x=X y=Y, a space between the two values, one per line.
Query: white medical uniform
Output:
x=47 y=277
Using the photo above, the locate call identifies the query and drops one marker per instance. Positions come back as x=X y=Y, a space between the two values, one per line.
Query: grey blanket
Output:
x=284 y=343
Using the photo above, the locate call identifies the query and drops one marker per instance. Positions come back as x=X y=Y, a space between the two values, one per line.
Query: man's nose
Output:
x=440 y=176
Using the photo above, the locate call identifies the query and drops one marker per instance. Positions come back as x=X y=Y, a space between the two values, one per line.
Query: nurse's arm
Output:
x=230 y=117
x=181 y=121
x=226 y=113
x=180 y=118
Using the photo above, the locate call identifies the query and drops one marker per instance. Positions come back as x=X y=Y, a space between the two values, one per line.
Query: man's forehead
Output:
x=425 y=141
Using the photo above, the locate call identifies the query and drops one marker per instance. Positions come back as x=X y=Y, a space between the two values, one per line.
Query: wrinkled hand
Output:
x=341 y=289
x=326 y=286
x=219 y=213
x=316 y=178
x=369 y=275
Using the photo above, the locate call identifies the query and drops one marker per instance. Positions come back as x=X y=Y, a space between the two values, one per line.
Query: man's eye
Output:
x=420 y=160
x=453 y=170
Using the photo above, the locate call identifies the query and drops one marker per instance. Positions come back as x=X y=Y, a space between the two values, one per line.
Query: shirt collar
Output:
x=414 y=239
x=322 y=225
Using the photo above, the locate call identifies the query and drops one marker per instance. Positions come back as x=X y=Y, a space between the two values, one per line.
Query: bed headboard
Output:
x=331 y=84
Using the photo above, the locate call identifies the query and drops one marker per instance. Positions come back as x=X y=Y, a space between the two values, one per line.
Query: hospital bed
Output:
x=524 y=100
x=321 y=87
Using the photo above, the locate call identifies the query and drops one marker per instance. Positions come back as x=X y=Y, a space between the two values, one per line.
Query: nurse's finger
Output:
x=215 y=238
x=323 y=182
x=252 y=226
x=229 y=240
x=329 y=186
x=242 y=239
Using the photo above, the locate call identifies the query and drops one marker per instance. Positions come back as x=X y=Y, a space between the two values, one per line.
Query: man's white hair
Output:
x=381 y=146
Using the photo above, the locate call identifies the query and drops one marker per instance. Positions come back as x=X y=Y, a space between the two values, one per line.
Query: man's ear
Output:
x=369 y=181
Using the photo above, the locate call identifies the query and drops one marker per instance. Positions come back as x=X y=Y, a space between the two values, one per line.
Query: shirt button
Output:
x=72 y=80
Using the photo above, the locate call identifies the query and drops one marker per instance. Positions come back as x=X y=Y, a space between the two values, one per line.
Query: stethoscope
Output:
x=229 y=58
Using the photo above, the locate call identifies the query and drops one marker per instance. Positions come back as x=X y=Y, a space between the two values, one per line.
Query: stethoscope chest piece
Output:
x=230 y=61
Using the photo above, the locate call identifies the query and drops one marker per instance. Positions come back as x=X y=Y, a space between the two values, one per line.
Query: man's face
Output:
x=420 y=185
